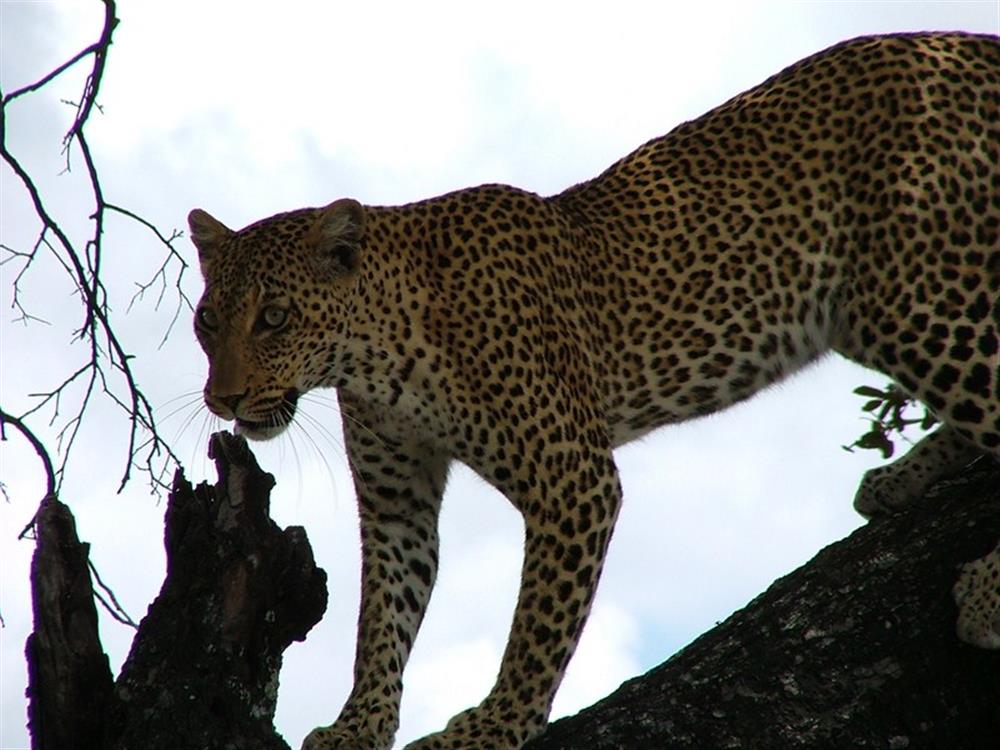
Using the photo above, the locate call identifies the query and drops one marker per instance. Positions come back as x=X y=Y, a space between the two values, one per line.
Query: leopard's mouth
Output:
x=273 y=423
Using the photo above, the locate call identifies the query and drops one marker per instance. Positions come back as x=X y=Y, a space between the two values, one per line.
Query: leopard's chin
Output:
x=258 y=431
x=273 y=423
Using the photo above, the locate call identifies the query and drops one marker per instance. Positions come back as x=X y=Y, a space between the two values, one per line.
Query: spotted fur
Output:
x=850 y=203
x=977 y=594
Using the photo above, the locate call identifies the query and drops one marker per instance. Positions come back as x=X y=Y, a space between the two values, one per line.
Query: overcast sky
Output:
x=246 y=109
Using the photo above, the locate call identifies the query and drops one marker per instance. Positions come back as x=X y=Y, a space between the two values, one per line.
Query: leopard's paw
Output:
x=977 y=594
x=885 y=490
x=479 y=729
x=892 y=488
x=338 y=737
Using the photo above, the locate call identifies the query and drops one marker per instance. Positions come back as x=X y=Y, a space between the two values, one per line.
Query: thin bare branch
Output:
x=160 y=277
x=43 y=455
x=109 y=370
x=114 y=608
x=51 y=76
x=93 y=83
x=29 y=258
x=35 y=443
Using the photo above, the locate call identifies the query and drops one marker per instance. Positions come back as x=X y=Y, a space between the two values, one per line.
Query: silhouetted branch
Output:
x=855 y=649
x=110 y=603
x=160 y=277
x=35 y=443
x=107 y=369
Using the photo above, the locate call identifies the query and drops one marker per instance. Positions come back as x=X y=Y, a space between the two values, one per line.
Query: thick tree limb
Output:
x=855 y=649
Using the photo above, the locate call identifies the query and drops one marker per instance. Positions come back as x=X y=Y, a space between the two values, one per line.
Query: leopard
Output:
x=848 y=204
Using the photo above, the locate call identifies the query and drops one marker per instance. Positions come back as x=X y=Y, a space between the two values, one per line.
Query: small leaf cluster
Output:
x=888 y=414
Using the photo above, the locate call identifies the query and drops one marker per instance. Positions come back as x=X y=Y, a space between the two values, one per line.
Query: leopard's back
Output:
x=833 y=206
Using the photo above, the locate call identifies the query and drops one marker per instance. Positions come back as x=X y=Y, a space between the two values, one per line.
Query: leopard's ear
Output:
x=207 y=234
x=338 y=237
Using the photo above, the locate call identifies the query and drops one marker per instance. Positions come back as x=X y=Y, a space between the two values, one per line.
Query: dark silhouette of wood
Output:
x=69 y=680
x=855 y=649
x=203 y=669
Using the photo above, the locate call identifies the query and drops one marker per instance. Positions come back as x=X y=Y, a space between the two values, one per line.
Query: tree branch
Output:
x=34 y=442
x=109 y=365
x=857 y=648
x=161 y=273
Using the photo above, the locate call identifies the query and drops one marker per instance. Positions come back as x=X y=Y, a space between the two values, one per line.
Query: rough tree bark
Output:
x=203 y=669
x=856 y=649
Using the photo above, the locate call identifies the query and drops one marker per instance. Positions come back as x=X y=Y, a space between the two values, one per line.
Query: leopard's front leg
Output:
x=568 y=493
x=399 y=488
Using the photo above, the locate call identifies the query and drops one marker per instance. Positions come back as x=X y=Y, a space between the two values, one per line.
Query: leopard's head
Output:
x=276 y=296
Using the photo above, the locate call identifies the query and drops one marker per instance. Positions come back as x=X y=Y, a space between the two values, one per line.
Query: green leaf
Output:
x=876 y=440
x=867 y=390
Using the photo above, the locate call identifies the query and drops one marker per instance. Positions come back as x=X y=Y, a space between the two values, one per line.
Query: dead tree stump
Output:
x=203 y=669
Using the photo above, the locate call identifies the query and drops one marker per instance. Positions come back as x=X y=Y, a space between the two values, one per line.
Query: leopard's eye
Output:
x=273 y=316
x=206 y=318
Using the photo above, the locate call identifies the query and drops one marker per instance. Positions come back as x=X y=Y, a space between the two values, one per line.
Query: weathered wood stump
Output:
x=203 y=668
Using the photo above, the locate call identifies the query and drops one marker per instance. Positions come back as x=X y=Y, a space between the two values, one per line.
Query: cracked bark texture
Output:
x=69 y=680
x=855 y=649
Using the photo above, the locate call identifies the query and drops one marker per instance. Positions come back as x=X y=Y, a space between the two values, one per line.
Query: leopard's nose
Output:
x=231 y=401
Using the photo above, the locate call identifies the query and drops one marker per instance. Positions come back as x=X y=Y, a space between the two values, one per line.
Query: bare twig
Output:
x=43 y=455
x=160 y=277
x=34 y=442
x=108 y=369
x=51 y=76
x=29 y=258
x=114 y=608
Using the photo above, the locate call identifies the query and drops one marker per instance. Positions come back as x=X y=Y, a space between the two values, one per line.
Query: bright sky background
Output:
x=251 y=108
